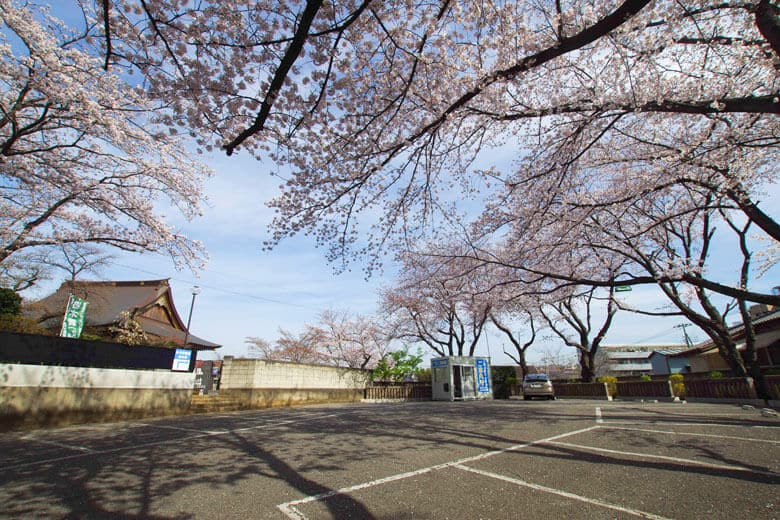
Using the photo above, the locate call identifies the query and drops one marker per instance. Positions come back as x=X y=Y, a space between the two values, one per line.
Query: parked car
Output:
x=537 y=385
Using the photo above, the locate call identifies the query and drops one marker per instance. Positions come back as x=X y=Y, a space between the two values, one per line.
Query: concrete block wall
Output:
x=260 y=383
x=258 y=373
x=44 y=395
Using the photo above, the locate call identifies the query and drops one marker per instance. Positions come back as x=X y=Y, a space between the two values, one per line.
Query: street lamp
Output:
x=195 y=291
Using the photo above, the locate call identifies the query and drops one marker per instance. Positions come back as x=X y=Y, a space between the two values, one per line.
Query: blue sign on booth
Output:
x=483 y=376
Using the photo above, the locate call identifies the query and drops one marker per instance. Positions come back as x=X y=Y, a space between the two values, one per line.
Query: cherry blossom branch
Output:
x=279 y=77
x=107 y=31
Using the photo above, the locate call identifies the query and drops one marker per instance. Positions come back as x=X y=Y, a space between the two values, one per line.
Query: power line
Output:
x=218 y=289
x=660 y=334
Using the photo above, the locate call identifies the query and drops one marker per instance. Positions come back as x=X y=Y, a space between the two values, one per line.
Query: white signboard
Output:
x=181 y=360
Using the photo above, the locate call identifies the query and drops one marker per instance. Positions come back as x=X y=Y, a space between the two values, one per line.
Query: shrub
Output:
x=87 y=336
x=424 y=375
x=678 y=385
x=21 y=325
x=10 y=302
x=715 y=375
x=611 y=384
x=503 y=380
x=645 y=377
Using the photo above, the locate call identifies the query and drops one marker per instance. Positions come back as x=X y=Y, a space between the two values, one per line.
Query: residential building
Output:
x=631 y=360
x=705 y=357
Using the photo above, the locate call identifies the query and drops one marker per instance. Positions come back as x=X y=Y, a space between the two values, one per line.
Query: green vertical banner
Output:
x=73 y=321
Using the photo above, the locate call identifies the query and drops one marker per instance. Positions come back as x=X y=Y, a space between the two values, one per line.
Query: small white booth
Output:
x=456 y=378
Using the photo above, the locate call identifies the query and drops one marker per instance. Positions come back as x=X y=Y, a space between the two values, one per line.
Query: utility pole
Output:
x=684 y=327
x=195 y=291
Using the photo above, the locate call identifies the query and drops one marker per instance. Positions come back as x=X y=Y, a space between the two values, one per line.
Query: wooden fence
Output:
x=643 y=389
x=400 y=391
x=727 y=388
x=594 y=390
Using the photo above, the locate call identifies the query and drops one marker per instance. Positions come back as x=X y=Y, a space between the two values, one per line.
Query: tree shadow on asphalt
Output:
x=134 y=484
x=137 y=482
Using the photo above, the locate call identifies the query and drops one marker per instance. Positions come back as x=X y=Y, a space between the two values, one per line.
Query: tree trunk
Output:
x=762 y=388
x=728 y=349
x=754 y=366
x=587 y=371
x=522 y=362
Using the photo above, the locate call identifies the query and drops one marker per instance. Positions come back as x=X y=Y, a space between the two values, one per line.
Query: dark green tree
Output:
x=10 y=302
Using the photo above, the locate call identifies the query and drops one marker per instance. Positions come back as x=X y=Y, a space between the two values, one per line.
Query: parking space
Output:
x=491 y=459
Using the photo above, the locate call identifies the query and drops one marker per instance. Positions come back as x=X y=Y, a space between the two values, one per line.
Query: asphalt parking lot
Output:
x=427 y=460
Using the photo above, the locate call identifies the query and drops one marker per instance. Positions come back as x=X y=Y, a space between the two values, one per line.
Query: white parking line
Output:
x=677 y=460
x=283 y=423
x=58 y=444
x=177 y=428
x=599 y=419
x=565 y=494
x=698 y=425
x=665 y=432
x=289 y=508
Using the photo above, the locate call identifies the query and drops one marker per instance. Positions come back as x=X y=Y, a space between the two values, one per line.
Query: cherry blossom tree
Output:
x=436 y=303
x=289 y=347
x=557 y=360
x=24 y=270
x=665 y=239
x=353 y=341
x=520 y=343
x=75 y=259
x=386 y=106
x=688 y=241
x=386 y=109
x=571 y=318
x=81 y=158
x=337 y=338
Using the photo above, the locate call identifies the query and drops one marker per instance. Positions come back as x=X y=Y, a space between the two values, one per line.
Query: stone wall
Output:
x=45 y=395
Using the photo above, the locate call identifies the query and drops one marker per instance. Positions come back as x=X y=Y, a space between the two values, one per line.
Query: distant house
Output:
x=149 y=302
x=705 y=357
x=632 y=360
x=666 y=362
